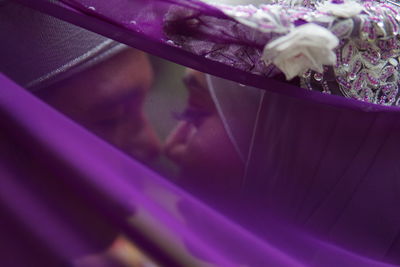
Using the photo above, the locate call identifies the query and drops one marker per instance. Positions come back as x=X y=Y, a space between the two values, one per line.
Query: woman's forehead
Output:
x=199 y=94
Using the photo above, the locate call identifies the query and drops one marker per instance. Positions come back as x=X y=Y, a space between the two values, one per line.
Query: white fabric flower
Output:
x=346 y=9
x=308 y=46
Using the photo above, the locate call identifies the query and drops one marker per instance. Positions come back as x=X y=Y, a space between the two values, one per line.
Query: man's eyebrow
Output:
x=108 y=102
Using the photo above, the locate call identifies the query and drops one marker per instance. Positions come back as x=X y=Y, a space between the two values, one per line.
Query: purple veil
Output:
x=65 y=166
x=321 y=170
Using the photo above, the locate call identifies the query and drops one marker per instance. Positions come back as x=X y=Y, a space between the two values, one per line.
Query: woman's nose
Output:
x=176 y=143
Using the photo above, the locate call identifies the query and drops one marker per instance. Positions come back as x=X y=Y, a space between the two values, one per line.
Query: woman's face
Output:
x=108 y=99
x=200 y=145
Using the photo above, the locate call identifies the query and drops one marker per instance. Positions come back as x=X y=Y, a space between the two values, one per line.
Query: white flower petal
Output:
x=345 y=10
x=306 y=47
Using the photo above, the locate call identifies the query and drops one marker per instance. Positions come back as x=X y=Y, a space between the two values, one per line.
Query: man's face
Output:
x=108 y=100
x=200 y=145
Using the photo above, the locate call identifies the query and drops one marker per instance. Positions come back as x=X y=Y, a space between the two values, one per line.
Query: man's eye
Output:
x=192 y=115
x=107 y=123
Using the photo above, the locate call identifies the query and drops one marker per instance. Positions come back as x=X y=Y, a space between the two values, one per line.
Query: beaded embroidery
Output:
x=368 y=54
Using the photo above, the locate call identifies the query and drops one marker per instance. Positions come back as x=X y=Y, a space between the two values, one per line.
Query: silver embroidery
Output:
x=368 y=55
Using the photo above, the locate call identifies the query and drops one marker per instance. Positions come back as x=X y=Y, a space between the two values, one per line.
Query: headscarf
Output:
x=38 y=50
x=327 y=170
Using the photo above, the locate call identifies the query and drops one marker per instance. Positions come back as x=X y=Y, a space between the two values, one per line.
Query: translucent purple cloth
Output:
x=71 y=192
x=354 y=141
x=65 y=193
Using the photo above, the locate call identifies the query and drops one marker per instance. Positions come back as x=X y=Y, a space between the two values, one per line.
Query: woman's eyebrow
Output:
x=199 y=95
x=190 y=79
x=193 y=84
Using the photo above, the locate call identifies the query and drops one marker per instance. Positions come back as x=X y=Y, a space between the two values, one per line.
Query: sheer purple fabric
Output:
x=326 y=162
x=51 y=166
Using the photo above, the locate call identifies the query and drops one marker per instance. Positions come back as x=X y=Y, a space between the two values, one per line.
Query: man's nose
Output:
x=145 y=145
x=176 y=143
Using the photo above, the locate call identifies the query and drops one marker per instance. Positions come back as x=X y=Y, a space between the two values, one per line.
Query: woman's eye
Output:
x=193 y=116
